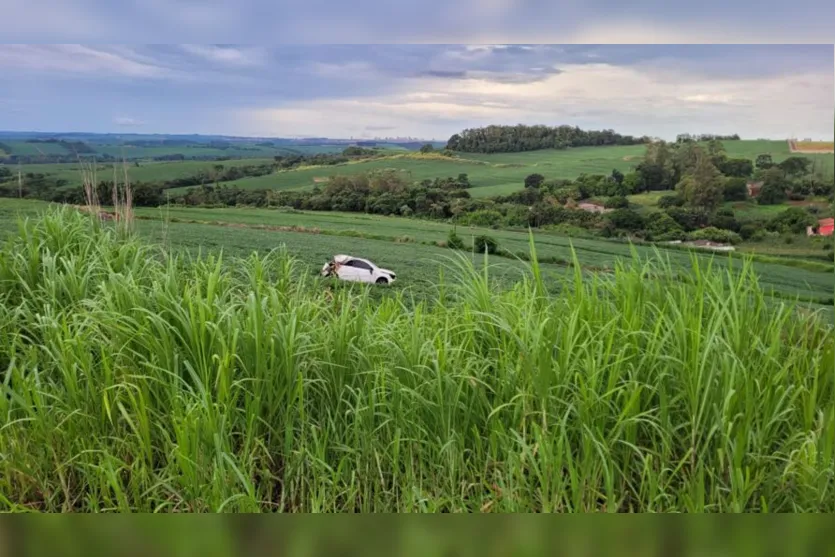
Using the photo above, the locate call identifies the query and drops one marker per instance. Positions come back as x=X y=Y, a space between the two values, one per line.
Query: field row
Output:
x=137 y=379
x=410 y=246
x=503 y=173
x=495 y=174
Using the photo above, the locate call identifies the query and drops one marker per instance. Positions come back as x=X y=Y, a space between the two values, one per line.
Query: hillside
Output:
x=411 y=246
x=503 y=173
x=243 y=383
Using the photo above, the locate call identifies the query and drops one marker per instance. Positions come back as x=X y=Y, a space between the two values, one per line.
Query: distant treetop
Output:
x=512 y=139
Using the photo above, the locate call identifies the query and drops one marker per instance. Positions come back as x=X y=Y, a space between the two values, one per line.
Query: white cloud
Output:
x=629 y=99
x=227 y=55
x=76 y=59
x=127 y=121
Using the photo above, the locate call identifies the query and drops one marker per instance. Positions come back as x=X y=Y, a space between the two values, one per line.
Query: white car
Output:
x=346 y=267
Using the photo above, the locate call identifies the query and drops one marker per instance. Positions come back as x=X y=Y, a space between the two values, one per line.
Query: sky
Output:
x=415 y=90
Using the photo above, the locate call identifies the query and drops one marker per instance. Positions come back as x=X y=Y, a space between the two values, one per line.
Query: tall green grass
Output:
x=137 y=380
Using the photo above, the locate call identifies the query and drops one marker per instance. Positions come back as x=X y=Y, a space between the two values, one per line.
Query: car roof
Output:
x=344 y=258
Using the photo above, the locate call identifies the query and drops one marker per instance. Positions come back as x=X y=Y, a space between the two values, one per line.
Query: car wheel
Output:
x=381 y=280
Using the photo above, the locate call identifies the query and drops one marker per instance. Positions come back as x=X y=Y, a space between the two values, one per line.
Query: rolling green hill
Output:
x=411 y=244
x=499 y=174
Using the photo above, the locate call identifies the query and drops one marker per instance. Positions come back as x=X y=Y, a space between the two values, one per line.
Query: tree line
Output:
x=686 y=137
x=513 y=139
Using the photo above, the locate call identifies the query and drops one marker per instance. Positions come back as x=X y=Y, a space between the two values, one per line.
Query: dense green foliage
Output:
x=137 y=380
x=485 y=244
x=715 y=235
x=510 y=139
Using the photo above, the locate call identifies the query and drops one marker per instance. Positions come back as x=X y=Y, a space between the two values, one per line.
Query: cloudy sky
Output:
x=422 y=90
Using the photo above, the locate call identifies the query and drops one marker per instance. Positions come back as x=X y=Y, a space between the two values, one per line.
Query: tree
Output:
x=735 y=189
x=685 y=157
x=625 y=219
x=661 y=227
x=656 y=170
x=427 y=148
x=485 y=243
x=616 y=202
x=716 y=235
x=632 y=183
x=764 y=162
x=793 y=219
x=724 y=219
x=534 y=180
x=688 y=218
x=617 y=176
x=670 y=201
x=716 y=151
x=741 y=168
x=773 y=191
x=795 y=166
x=702 y=187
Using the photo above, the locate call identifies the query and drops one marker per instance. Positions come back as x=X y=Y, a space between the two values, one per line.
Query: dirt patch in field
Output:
x=630 y=157
x=320 y=179
x=811 y=147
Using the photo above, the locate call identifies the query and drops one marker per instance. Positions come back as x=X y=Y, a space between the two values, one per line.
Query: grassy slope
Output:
x=248 y=150
x=411 y=260
x=502 y=173
x=491 y=174
x=145 y=172
x=134 y=382
x=25 y=148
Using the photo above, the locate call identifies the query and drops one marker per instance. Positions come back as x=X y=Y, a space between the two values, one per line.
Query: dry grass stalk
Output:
x=88 y=179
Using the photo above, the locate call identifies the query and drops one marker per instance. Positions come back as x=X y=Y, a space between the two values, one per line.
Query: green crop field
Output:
x=160 y=377
x=147 y=171
x=26 y=148
x=496 y=174
x=409 y=245
x=503 y=173
x=242 y=150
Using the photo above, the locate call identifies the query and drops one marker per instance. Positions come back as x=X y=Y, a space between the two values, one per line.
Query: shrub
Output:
x=773 y=191
x=534 y=180
x=735 y=189
x=751 y=231
x=716 y=235
x=485 y=243
x=482 y=217
x=688 y=218
x=616 y=202
x=454 y=241
x=792 y=220
x=724 y=218
x=625 y=219
x=670 y=201
x=661 y=227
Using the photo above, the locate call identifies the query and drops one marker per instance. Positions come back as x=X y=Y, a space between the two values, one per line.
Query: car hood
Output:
x=386 y=271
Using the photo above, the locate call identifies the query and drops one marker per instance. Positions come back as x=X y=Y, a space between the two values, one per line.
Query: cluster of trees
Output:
x=686 y=137
x=286 y=162
x=219 y=173
x=34 y=184
x=385 y=192
x=704 y=175
x=511 y=139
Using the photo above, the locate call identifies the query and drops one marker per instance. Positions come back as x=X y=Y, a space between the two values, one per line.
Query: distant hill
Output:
x=31 y=147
